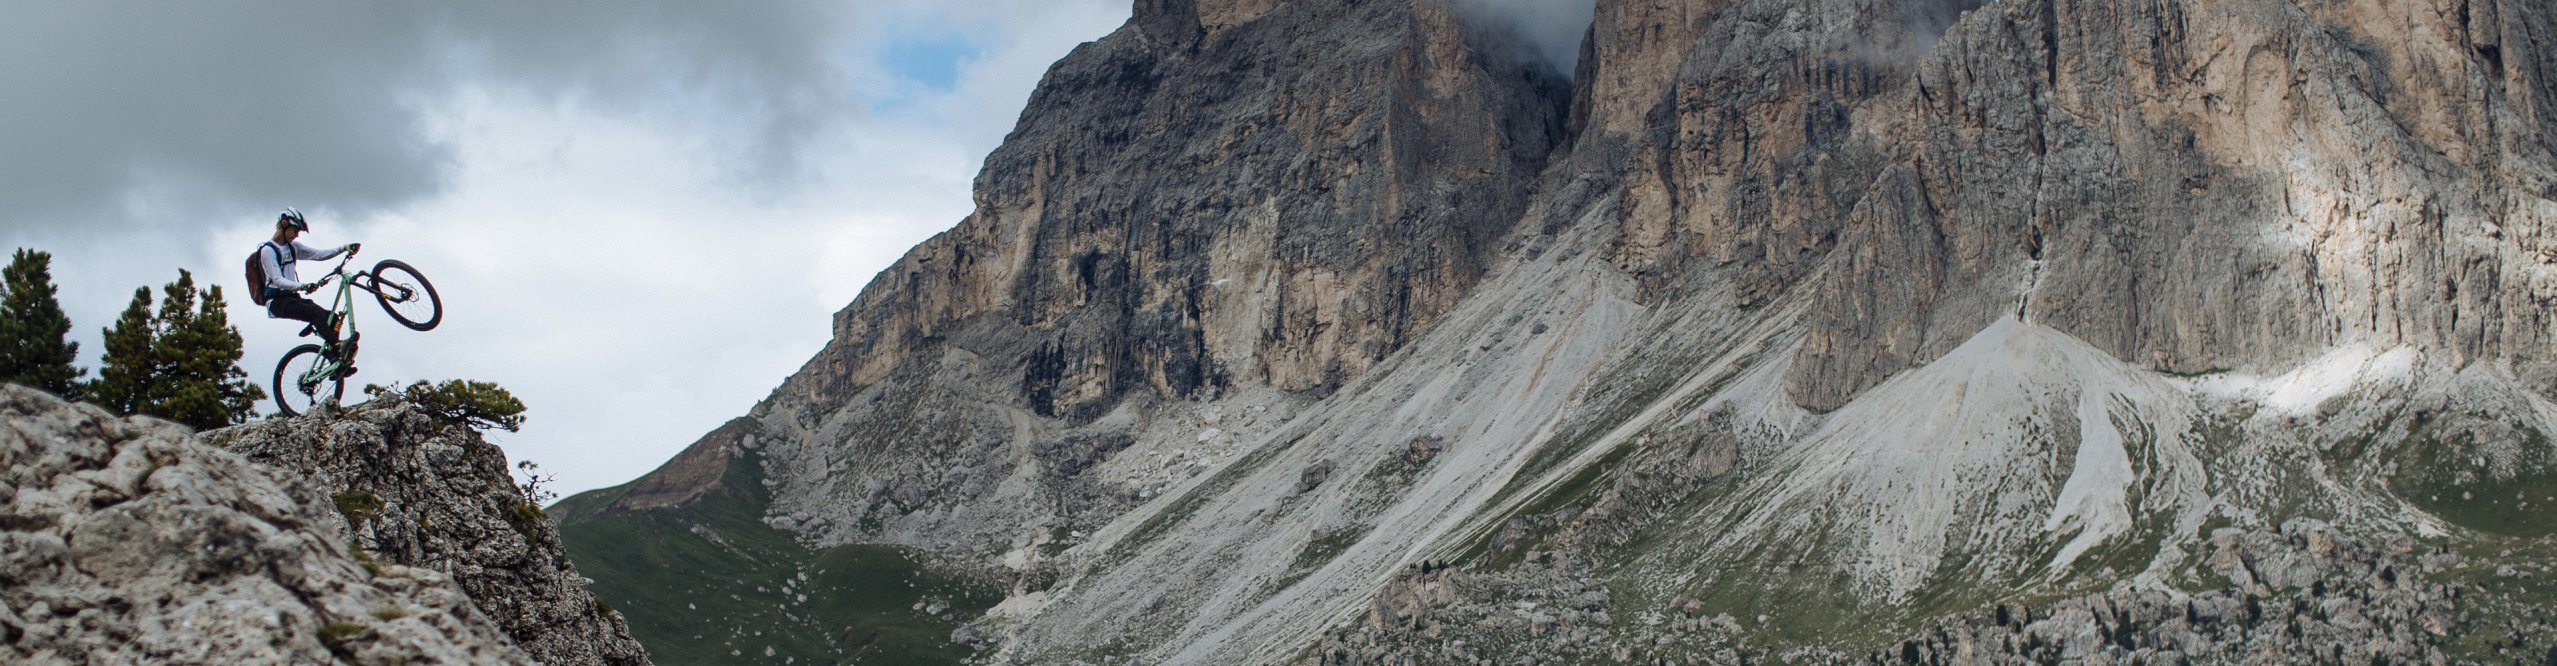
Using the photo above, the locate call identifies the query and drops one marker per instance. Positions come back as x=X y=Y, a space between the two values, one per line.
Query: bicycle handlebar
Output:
x=332 y=274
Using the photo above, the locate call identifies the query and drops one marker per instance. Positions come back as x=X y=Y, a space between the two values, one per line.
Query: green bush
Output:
x=525 y=518
x=336 y=634
x=365 y=558
x=359 y=506
x=479 y=404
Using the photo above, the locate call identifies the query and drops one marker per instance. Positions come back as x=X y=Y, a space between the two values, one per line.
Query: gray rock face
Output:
x=1220 y=196
x=2303 y=594
x=2207 y=186
x=2190 y=186
x=1835 y=316
x=426 y=492
x=1273 y=193
x=130 y=541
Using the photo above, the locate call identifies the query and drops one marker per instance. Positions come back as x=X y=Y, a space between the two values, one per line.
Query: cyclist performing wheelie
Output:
x=300 y=376
x=284 y=288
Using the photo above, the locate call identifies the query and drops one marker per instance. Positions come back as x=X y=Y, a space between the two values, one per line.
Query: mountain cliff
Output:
x=320 y=539
x=1821 y=326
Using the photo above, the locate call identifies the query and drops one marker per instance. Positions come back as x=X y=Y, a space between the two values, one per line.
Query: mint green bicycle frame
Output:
x=343 y=305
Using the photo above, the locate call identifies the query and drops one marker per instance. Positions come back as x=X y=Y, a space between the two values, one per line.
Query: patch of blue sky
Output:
x=932 y=62
x=917 y=67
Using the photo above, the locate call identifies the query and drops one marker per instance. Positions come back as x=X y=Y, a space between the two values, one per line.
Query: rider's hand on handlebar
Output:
x=352 y=248
x=308 y=288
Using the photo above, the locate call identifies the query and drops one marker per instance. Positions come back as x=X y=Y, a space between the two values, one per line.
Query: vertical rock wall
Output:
x=1223 y=192
x=1220 y=196
x=2191 y=186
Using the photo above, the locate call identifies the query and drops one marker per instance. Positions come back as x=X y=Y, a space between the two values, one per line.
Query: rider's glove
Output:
x=352 y=248
x=308 y=288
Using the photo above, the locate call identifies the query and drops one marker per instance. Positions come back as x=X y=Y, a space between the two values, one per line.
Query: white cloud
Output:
x=1552 y=29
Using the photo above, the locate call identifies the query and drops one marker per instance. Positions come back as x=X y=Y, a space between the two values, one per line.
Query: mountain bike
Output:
x=307 y=374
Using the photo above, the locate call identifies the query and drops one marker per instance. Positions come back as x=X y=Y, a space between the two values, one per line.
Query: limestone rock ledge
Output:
x=132 y=540
x=420 y=490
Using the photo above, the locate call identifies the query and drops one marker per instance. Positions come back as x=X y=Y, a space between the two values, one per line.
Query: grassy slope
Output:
x=695 y=599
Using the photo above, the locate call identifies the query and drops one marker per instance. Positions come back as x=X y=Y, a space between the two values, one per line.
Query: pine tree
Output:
x=126 y=371
x=176 y=394
x=181 y=365
x=34 y=345
x=201 y=353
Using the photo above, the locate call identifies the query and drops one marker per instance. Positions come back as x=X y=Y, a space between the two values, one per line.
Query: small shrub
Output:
x=389 y=614
x=364 y=557
x=480 y=405
x=531 y=487
x=359 y=506
x=17 y=523
x=525 y=518
x=336 y=634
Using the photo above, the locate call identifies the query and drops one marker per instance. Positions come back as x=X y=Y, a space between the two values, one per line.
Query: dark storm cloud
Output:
x=107 y=96
x=324 y=104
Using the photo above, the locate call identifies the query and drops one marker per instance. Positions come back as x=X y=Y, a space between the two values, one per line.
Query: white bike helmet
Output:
x=293 y=218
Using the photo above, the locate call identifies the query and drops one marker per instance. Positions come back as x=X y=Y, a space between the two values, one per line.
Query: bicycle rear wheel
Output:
x=406 y=295
x=292 y=396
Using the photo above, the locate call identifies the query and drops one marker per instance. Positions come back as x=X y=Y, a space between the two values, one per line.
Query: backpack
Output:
x=257 y=272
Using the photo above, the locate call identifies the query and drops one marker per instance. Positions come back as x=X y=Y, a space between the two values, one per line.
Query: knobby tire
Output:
x=287 y=376
x=420 y=308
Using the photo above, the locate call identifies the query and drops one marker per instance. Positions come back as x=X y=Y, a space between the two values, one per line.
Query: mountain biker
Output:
x=284 y=287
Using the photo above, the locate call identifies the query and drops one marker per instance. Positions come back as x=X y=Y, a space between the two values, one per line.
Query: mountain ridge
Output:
x=1801 y=304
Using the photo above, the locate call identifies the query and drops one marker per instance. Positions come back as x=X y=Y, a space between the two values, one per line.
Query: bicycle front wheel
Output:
x=298 y=387
x=407 y=295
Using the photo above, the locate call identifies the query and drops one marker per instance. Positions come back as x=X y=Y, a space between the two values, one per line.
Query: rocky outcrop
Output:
x=2302 y=594
x=1548 y=611
x=1837 y=317
x=131 y=540
x=424 y=491
x=2189 y=186
x=1220 y=197
x=697 y=470
x=1277 y=193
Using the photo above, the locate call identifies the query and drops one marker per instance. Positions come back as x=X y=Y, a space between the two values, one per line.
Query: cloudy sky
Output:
x=640 y=214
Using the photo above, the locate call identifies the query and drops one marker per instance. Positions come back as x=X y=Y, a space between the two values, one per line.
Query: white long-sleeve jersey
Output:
x=280 y=275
